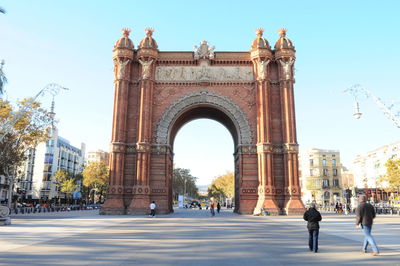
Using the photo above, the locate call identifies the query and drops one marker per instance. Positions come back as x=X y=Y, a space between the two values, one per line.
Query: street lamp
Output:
x=388 y=110
x=357 y=114
x=184 y=189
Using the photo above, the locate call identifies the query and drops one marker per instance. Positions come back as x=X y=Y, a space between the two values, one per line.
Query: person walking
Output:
x=313 y=217
x=152 y=209
x=365 y=214
x=212 y=206
x=218 y=207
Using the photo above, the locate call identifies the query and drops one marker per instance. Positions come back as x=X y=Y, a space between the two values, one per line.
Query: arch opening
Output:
x=207 y=112
x=208 y=156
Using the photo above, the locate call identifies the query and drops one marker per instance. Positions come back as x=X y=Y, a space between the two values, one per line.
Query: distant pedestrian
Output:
x=212 y=207
x=313 y=217
x=218 y=207
x=152 y=209
x=365 y=214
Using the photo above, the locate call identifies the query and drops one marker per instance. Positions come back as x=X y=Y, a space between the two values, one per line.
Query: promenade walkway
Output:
x=190 y=237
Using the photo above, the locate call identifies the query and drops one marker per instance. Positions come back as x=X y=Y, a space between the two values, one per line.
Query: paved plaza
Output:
x=190 y=237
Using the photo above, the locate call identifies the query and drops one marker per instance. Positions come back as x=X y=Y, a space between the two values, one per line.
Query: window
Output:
x=325 y=172
x=311 y=172
x=324 y=162
x=333 y=162
x=47 y=168
x=311 y=162
x=46 y=177
x=334 y=172
x=48 y=159
x=336 y=182
x=325 y=183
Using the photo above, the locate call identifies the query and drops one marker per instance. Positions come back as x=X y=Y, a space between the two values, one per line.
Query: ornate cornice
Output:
x=143 y=147
x=291 y=147
x=269 y=148
x=246 y=149
x=205 y=83
x=118 y=147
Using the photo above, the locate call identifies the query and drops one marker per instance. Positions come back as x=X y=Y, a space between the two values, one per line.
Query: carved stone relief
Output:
x=121 y=64
x=204 y=73
x=262 y=69
x=287 y=67
x=146 y=68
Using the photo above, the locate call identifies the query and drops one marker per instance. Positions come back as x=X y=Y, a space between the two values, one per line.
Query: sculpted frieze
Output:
x=204 y=73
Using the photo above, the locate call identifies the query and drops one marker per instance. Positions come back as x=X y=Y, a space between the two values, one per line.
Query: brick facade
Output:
x=157 y=92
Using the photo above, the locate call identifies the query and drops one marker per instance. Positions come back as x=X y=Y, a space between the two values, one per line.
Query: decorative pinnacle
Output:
x=282 y=32
x=259 y=32
x=126 y=31
x=149 y=31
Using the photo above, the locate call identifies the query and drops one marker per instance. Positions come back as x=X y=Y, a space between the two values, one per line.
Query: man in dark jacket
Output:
x=312 y=216
x=365 y=214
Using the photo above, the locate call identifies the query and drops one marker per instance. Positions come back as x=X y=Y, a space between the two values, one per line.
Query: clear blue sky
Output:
x=338 y=43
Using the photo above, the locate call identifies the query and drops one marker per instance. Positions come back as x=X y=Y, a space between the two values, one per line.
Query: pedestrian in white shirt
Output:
x=152 y=209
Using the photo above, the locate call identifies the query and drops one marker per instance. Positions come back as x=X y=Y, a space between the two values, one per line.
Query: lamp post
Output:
x=387 y=110
x=184 y=190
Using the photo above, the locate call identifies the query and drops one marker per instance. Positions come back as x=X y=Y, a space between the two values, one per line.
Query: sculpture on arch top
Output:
x=204 y=51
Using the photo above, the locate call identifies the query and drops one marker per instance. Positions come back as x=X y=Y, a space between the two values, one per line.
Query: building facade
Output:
x=37 y=178
x=321 y=176
x=98 y=156
x=369 y=167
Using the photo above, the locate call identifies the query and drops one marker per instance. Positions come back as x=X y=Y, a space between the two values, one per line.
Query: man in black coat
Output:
x=365 y=214
x=313 y=217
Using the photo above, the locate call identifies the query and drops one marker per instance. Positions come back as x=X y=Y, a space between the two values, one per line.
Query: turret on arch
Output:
x=251 y=93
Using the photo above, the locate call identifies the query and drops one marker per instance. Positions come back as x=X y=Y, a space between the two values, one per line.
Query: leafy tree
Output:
x=61 y=176
x=95 y=178
x=392 y=176
x=67 y=182
x=69 y=187
x=223 y=186
x=20 y=130
x=184 y=183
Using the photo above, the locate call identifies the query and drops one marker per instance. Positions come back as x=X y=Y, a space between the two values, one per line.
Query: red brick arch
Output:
x=250 y=93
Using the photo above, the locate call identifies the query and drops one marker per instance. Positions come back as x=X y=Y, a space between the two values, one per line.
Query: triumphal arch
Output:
x=249 y=92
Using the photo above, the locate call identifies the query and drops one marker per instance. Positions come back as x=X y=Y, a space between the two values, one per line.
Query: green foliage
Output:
x=95 y=177
x=69 y=186
x=183 y=182
x=61 y=176
x=392 y=176
x=223 y=186
x=28 y=127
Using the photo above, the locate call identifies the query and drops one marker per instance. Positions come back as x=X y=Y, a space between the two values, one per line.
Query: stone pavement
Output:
x=190 y=237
